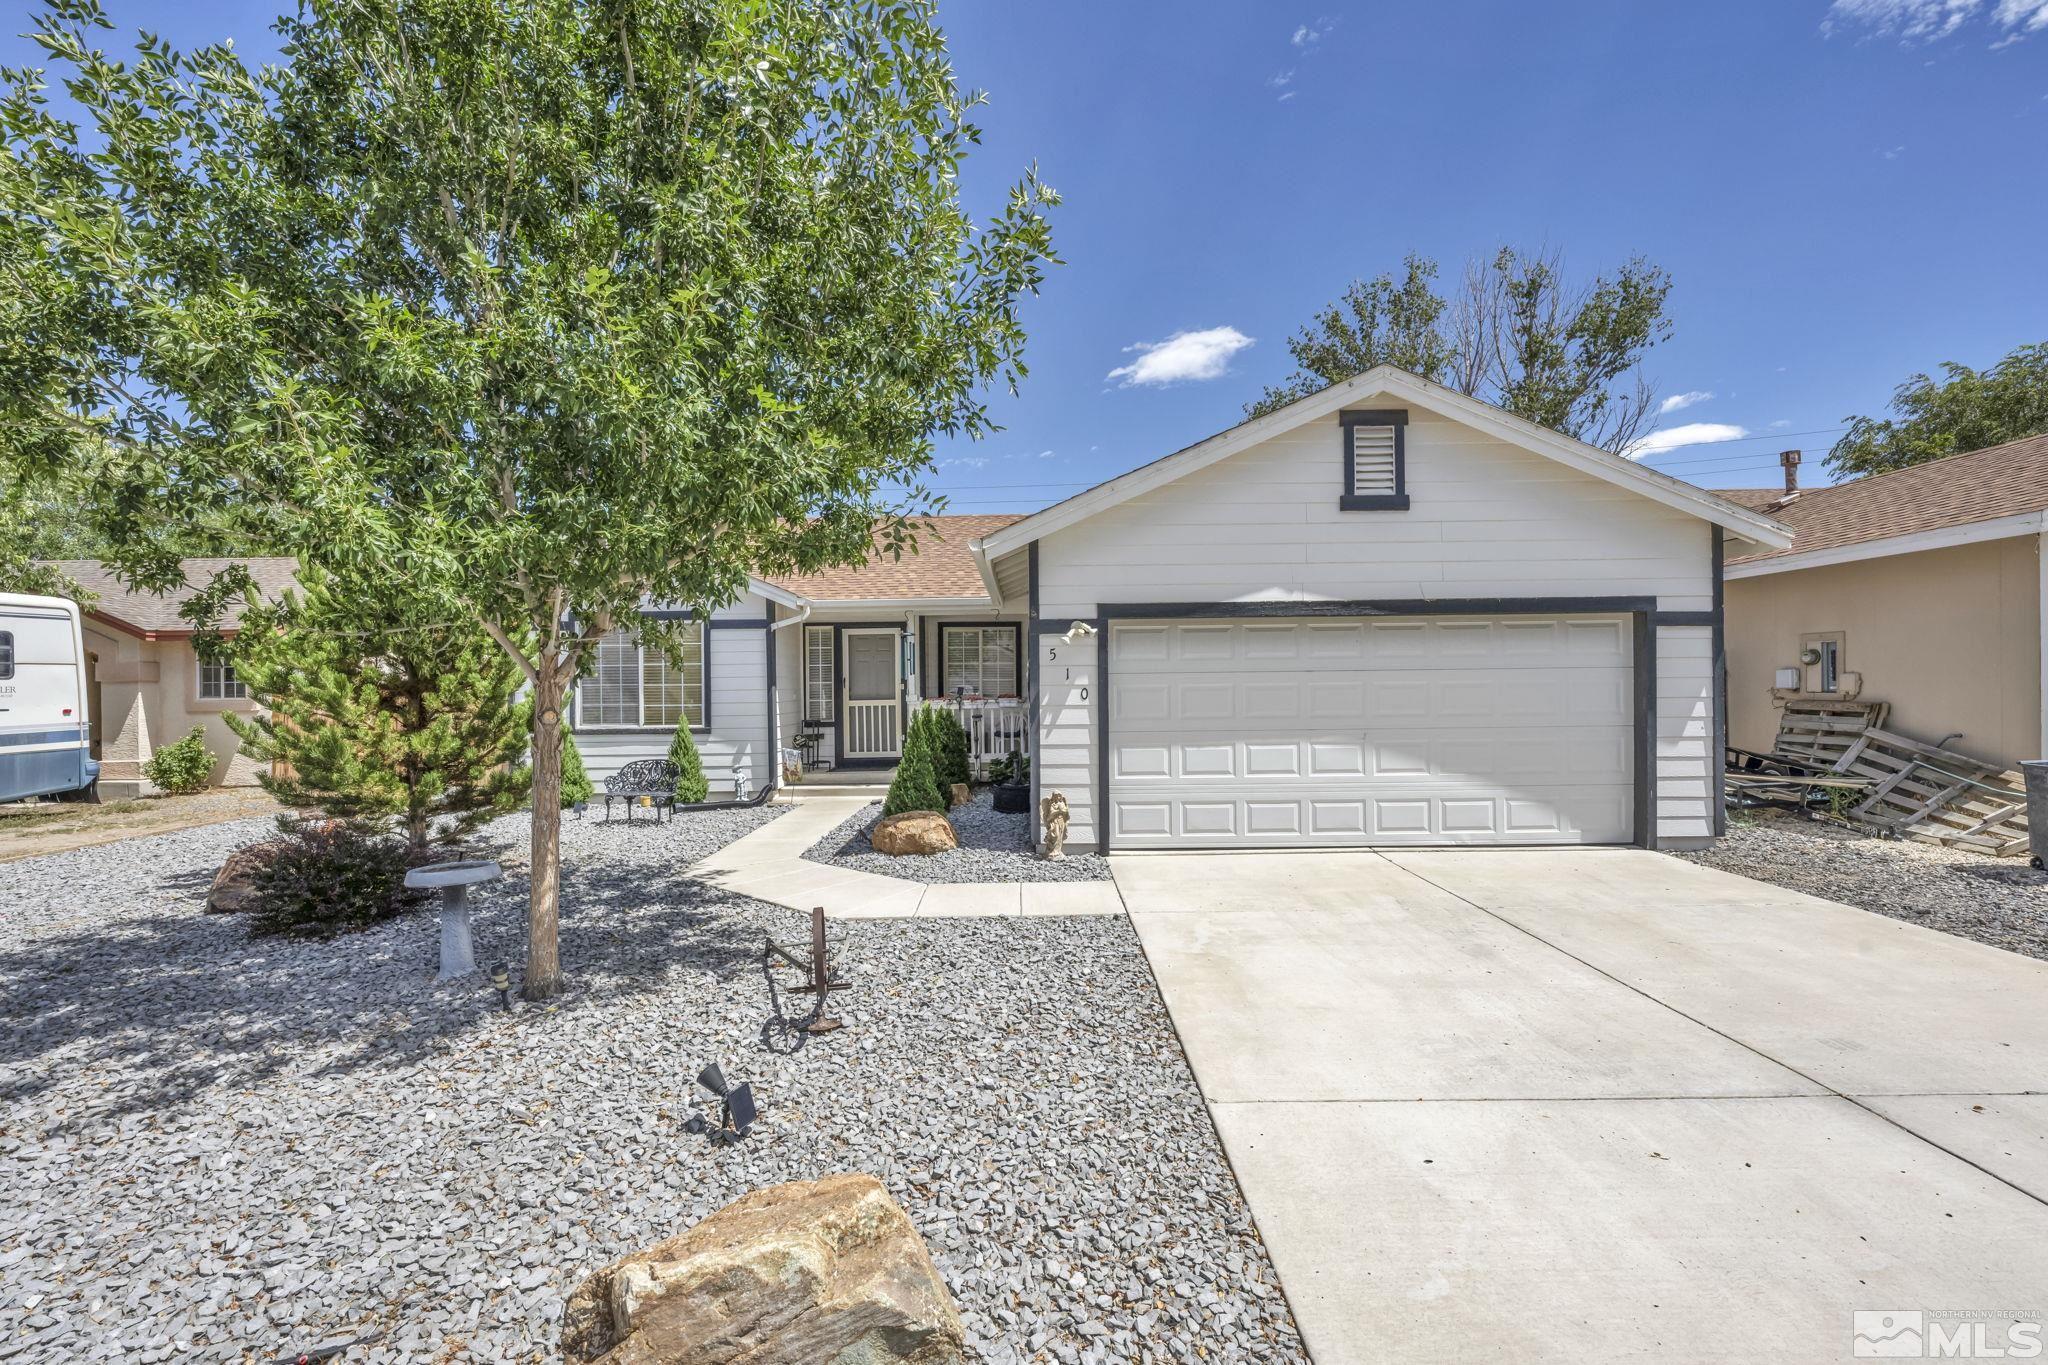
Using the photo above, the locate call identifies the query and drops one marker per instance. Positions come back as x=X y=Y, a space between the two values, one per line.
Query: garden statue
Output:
x=1052 y=813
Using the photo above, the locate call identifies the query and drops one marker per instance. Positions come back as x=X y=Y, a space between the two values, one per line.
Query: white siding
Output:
x=1067 y=678
x=737 y=691
x=1488 y=519
x=1687 y=766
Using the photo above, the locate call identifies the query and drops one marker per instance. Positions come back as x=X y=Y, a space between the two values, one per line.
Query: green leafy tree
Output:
x=1518 y=334
x=576 y=784
x=945 y=739
x=376 y=709
x=1965 y=410
x=915 y=786
x=690 y=782
x=550 y=309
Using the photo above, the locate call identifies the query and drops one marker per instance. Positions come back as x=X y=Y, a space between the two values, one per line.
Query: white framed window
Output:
x=1375 y=461
x=217 y=682
x=631 y=686
x=979 y=661
x=819 y=684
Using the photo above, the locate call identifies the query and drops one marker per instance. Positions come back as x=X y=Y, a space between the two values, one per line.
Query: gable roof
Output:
x=155 y=616
x=943 y=567
x=1957 y=491
x=1383 y=381
x=1755 y=499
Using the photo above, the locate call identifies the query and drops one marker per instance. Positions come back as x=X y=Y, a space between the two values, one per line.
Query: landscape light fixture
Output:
x=736 y=1111
x=501 y=982
x=579 y=808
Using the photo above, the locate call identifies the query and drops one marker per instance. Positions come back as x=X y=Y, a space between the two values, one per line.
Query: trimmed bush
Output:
x=183 y=766
x=690 y=783
x=915 y=787
x=576 y=783
x=327 y=877
x=946 y=742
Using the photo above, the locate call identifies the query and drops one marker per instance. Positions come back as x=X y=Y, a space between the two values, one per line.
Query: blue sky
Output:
x=1844 y=194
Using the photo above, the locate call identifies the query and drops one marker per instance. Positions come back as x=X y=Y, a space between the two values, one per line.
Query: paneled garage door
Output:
x=1332 y=732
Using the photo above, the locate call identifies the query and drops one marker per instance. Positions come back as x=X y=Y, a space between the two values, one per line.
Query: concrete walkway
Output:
x=1602 y=1104
x=769 y=865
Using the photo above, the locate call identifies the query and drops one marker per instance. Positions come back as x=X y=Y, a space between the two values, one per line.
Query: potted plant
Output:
x=1012 y=778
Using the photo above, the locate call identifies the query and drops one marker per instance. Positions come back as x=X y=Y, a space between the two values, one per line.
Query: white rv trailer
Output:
x=45 y=731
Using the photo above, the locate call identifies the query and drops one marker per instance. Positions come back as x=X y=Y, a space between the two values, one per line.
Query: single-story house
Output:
x=146 y=684
x=1387 y=614
x=1925 y=587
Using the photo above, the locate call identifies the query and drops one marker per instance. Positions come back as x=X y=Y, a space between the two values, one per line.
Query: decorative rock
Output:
x=957 y=795
x=790 y=1275
x=234 y=886
x=914 y=831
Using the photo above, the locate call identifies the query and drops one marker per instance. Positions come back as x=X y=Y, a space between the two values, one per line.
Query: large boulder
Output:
x=234 y=886
x=914 y=831
x=809 y=1273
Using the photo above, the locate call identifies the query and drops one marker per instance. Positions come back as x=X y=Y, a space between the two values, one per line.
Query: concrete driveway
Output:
x=1603 y=1104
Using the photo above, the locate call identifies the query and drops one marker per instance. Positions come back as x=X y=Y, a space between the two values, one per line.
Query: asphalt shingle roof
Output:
x=1979 y=485
x=146 y=611
x=942 y=567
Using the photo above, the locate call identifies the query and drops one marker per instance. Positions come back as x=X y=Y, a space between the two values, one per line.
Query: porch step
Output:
x=860 y=784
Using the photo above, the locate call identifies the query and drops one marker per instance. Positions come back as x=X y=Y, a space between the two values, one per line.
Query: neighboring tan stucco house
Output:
x=1387 y=614
x=148 y=686
x=1925 y=587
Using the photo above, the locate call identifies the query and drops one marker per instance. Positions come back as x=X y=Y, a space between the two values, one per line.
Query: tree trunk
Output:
x=543 y=957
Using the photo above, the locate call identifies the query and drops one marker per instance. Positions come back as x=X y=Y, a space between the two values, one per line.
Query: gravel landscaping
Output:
x=223 y=1149
x=993 y=848
x=1999 y=901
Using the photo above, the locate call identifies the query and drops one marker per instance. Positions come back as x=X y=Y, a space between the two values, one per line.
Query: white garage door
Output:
x=1464 y=730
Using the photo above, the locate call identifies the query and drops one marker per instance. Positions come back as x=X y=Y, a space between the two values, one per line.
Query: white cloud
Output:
x=1288 y=96
x=1308 y=35
x=1685 y=434
x=1182 y=357
x=1682 y=400
x=965 y=462
x=1925 y=21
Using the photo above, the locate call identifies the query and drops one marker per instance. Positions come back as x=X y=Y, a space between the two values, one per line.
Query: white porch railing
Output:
x=994 y=727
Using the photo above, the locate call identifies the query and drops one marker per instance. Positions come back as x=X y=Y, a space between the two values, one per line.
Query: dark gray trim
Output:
x=1418 y=606
x=839 y=629
x=1718 y=760
x=716 y=622
x=1640 y=610
x=1645 y=682
x=1348 y=500
x=941 y=627
x=1683 y=618
x=704 y=653
x=1031 y=688
x=774 y=778
x=924 y=656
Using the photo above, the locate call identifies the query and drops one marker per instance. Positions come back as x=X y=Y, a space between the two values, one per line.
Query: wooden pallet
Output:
x=1936 y=794
x=1818 y=730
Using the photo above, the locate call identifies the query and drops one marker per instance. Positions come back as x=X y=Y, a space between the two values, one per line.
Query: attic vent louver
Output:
x=1375 y=461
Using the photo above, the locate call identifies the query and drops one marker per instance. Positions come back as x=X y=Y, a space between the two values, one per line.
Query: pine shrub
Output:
x=946 y=741
x=327 y=877
x=690 y=783
x=915 y=787
x=182 y=766
x=576 y=783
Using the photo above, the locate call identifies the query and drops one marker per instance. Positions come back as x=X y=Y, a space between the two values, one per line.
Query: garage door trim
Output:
x=1641 y=611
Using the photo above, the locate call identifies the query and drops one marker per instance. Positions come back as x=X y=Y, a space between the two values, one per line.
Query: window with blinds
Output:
x=630 y=686
x=818 y=680
x=980 y=661
x=1375 y=462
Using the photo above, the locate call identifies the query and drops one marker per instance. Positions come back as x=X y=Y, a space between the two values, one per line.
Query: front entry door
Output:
x=874 y=706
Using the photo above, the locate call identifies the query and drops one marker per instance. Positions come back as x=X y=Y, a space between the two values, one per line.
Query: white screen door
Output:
x=873 y=701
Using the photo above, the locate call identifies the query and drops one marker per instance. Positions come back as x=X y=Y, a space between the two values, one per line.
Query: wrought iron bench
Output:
x=652 y=778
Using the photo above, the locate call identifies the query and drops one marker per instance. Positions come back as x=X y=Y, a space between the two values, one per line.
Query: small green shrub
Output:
x=576 y=783
x=690 y=783
x=914 y=787
x=946 y=741
x=326 y=877
x=183 y=766
x=1014 y=769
